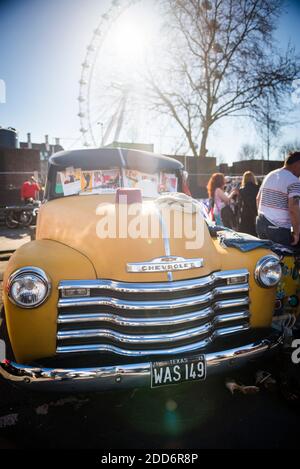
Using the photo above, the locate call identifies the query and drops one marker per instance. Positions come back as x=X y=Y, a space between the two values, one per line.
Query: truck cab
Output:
x=127 y=284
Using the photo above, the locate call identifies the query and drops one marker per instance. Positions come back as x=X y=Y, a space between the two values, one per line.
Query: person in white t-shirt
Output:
x=278 y=203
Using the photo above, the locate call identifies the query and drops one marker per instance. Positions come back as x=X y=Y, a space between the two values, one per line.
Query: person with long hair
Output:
x=247 y=209
x=219 y=199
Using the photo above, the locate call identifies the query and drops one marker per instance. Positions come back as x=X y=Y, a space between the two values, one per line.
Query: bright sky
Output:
x=42 y=47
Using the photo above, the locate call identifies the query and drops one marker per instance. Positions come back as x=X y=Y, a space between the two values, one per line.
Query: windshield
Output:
x=76 y=181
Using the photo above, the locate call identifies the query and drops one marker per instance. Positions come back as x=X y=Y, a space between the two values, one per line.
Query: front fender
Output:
x=32 y=332
x=262 y=300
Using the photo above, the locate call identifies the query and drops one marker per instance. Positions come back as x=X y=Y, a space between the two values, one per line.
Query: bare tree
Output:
x=269 y=117
x=287 y=147
x=248 y=152
x=222 y=62
x=221 y=159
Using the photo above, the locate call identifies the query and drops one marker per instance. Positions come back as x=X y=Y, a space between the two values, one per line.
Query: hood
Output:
x=90 y=224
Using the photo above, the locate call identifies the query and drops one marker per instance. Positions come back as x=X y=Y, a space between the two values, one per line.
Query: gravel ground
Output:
x=13 y=239
x=188 y=416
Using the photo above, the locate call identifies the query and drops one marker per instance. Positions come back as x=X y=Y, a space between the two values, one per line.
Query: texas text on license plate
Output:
x=177 y=371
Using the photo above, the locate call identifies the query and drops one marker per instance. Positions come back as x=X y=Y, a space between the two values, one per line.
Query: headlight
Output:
x=28 y=287
x=268 y=271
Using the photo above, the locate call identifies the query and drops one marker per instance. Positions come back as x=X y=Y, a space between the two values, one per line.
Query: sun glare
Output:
x=130 y=42
x=132 y=49
x=134 y=38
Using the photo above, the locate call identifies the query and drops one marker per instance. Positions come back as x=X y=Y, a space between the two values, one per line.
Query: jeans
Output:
x=266 y=230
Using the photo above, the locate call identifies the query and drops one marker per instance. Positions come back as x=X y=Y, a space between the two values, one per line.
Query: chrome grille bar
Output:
x=171 y=317
x=152 y=321
x=240 y=276
x=232 y=303
x=135 y=322
x=139 y=353
x=153 y=305
x=137 y=339
x=152 y=338
x=225 y=318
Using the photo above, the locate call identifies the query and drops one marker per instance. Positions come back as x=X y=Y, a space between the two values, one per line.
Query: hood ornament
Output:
x=165 y=264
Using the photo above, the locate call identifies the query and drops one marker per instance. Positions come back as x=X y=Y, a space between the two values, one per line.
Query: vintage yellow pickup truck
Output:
x=128 y=285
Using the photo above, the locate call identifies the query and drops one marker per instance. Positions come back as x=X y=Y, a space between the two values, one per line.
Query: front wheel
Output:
x=10 y=220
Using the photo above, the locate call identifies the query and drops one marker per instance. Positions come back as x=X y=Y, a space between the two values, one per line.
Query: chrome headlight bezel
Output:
x=261 y=264
x=35 y=272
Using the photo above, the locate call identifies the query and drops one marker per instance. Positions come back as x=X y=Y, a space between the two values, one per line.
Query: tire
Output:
x=25 y=218
x=10 y=222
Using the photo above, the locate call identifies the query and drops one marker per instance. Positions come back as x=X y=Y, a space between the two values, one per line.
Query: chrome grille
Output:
x=146 y=319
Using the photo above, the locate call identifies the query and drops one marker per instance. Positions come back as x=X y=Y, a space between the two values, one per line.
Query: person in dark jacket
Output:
x=247 y=210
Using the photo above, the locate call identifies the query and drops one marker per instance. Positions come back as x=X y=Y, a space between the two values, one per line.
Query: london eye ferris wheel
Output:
x=113 y=102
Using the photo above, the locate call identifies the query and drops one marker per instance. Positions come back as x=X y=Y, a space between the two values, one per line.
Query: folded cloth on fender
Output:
x=242 y=241
x=245 y=242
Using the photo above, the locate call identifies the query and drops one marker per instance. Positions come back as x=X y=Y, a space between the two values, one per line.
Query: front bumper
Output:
x=124 y=376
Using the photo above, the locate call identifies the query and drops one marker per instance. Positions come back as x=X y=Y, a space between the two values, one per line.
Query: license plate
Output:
x=177 y=371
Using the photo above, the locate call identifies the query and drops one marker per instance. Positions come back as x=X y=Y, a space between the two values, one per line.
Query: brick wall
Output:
x=258 y=167
x=16 y=161
x=201 y=170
